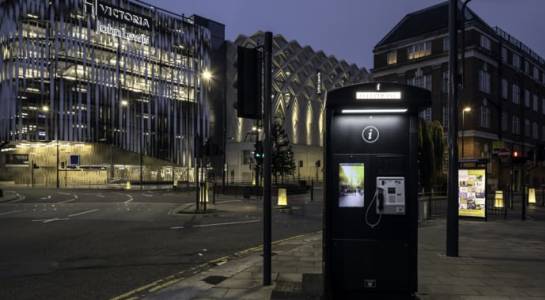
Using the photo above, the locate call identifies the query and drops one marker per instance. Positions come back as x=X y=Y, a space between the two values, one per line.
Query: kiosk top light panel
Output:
x=378 y=95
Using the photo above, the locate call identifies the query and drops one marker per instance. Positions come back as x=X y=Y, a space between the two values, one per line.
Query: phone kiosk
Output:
x=371 y=208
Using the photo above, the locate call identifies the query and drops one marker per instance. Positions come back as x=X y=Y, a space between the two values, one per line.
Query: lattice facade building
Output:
x=301 y=77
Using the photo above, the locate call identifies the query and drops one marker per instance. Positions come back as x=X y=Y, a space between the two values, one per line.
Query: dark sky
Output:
x=349 y=29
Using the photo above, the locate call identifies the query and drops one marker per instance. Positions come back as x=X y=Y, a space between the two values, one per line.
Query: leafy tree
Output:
x=283 y=162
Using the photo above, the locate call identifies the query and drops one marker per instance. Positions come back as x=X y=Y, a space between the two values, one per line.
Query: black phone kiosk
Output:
x=370 y=191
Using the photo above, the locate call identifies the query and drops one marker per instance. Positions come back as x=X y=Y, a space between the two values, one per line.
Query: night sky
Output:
x=349 y=29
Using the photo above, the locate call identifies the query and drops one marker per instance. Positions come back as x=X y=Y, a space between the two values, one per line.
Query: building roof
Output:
x=424 y=21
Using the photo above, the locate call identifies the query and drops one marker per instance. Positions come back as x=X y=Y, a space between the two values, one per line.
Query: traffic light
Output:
x=248 y=83
x=258 y=152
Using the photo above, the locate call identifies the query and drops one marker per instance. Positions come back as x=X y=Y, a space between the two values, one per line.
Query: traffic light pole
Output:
x=452 y=200
x=267 y=147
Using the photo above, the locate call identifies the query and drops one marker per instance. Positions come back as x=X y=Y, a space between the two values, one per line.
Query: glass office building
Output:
x=110 y=72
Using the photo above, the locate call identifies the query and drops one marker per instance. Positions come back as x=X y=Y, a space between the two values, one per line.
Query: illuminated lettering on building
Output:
x=103 y=10
x=378 y=95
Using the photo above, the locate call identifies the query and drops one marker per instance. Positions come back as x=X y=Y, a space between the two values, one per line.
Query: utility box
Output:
x=370 y=191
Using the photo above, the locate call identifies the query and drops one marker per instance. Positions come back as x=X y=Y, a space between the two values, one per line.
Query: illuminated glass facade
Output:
x=115 y=71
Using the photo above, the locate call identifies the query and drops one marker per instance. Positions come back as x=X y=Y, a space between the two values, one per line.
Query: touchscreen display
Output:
x=351 y=184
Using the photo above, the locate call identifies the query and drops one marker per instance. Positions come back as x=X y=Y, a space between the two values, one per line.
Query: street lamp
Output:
x=207 y=75
x=124 y=103
x=45 y=108
x=466 y=109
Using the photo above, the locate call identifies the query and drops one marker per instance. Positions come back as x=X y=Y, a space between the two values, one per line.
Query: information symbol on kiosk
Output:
x=370 y=134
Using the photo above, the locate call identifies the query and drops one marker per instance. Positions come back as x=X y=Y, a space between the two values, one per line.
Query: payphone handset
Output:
x=389 y=198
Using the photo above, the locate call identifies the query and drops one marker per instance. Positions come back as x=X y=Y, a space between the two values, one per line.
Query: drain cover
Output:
x=214 y=279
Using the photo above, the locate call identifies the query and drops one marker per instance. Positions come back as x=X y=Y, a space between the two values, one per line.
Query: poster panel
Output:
x=472 y=193
x=351 y=184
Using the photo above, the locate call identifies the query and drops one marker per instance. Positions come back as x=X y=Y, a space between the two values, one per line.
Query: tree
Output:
x=431 y=147
x=283 y=162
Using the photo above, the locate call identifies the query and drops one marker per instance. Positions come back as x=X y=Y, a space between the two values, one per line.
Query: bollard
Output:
x=282 y=197
x=128 y=185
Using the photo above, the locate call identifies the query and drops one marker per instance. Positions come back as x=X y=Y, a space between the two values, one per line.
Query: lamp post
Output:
x=464 y=111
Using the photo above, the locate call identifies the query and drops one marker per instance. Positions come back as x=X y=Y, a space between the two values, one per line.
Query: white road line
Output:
x=83 y=212
x=46 y=198
x=227 y=201
x=64 y=193
x=45 y=221
x=69 y=200
x=131 y=198
x=100 y=196
x=10 y=212
x=217 y=224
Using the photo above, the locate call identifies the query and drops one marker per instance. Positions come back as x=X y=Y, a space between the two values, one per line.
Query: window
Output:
x=485 y=114
x=485 y=42
x=246 y=157
x=526 y=67
x=504 y=89
x=516 y=61
x=446 y=44
x=445 y=116
x=419 y=80
x=426 y=114
x=444 y=82
x=527 y=129
x=504 y=121
x=504 y=55
x=515 y=125
x=392 y=58
x=527 y=98
x=516 y=94
x=535 y=131
x=536 y=73
x=484 y=81
x=536 y=105
x=419 y=50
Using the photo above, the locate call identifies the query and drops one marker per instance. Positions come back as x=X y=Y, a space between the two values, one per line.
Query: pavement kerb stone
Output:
x=187 y=280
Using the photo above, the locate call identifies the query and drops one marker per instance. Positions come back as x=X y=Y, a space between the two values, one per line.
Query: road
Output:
x=96 y=244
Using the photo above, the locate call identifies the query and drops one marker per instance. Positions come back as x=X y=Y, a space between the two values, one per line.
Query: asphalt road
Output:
x=96 y=244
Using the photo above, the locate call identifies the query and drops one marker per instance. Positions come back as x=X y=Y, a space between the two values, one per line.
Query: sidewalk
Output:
x=498 y=260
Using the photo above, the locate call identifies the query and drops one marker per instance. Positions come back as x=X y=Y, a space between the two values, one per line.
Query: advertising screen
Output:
x=351 y=184
x=472 y=193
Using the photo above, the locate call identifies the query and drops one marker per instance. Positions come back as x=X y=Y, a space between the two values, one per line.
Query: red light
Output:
x=515 y=154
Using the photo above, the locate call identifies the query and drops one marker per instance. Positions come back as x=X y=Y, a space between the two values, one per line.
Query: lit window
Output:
x=392 y=58
x=485 y=42
x=419 y=50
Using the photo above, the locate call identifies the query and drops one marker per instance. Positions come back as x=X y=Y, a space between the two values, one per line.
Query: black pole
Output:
x=267 y=149
x=452 y=207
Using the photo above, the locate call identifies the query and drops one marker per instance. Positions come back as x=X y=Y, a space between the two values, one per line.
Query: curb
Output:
x=165 y=282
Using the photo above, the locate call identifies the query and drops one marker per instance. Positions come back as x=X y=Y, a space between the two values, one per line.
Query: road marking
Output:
x=100 y=195
x=83 y=212
x=131 y=198
x=19 y=197
x=69 y=200
x=64 y=193
x=147 y=195
x=45 y=221
x=217 y=224
x=10 y=212
x=46 y=198
x=227 y=201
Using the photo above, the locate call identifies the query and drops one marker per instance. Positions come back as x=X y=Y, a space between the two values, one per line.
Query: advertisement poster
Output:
x=351 y=184
x=472 y=193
